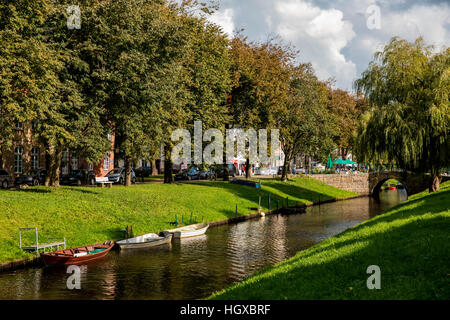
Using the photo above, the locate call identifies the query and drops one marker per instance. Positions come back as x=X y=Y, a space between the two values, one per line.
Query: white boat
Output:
x=189 y=231
x=145 y=241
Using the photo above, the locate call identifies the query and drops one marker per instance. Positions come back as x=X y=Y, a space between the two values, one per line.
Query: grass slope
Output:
x=410 y=243
x=86 y=215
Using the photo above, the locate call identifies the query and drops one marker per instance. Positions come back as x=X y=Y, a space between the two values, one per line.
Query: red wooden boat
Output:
x=392 y=188
x=77 y=255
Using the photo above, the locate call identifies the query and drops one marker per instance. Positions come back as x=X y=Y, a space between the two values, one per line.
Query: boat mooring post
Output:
x=268 y=204
x=236 y=210
x=259 y=205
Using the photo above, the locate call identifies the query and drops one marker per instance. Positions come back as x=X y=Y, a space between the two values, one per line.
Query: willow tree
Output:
x=409 y=120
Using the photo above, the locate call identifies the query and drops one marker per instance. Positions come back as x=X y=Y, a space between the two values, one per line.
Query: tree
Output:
x=133 y=50
x=343 y=107
x=409 y=120
x=260 y=73
x=47 y=72
x=306 y=125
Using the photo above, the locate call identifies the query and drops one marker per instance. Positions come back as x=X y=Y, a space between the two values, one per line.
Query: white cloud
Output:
x=224 y=18
x=427 y=21
x=320 y=35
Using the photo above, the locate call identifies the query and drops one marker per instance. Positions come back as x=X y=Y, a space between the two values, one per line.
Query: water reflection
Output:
x=194 y=268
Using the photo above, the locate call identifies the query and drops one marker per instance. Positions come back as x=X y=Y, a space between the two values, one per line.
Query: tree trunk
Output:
x=226 y=172
x=436 y=182
x=247 y=169
x=53 y=164
x=128 y=163
x=168 y=166
x=154 y=169
x=285 y=169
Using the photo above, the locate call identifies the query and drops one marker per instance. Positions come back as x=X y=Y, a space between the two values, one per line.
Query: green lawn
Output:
x=410 y=243
x=85 y=215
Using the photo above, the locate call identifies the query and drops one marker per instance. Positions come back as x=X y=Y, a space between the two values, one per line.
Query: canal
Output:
x=194 y=268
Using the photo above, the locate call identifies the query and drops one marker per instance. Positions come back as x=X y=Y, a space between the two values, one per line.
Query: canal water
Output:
x=195 y=268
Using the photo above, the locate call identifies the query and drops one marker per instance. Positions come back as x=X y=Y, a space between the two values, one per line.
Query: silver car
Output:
x=5 y=179
x=117 y=175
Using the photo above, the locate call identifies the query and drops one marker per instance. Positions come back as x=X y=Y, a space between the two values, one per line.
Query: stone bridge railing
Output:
x=370 y=183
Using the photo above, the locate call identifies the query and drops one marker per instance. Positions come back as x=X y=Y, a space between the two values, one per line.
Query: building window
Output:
x=18 y=158
x=74 y=164
x=106 y=162
x=19 y=125
x=35 y=158
x=65 y=162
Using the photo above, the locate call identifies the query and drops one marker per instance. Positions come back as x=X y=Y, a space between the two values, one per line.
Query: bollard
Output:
x=268 y=204
x=259 y=204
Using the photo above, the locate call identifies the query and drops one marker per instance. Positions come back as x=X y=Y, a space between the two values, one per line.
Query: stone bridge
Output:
x=370 y=183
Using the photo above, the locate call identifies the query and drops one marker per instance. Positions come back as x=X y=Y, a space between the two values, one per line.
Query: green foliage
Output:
x=409 y=120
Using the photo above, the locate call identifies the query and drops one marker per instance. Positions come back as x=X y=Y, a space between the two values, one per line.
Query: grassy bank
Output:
x=86 y=215
x=410 y=243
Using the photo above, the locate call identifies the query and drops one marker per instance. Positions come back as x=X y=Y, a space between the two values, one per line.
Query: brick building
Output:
x=27 y=154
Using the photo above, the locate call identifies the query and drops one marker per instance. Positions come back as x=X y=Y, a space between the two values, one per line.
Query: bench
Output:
x=103 y=181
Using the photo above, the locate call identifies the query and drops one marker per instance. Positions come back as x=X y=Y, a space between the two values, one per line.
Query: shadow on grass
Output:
x=32 y=190
x=412 y=257
x=295 y=194
x=78 y=189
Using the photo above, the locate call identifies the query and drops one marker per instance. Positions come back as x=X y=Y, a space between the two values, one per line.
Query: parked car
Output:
x=117 y=175
x=78 y=178
x=266 y=171
x=34 y=178
x=5 y=179
x=181 y=175
x=143 y=172
x=188 y=174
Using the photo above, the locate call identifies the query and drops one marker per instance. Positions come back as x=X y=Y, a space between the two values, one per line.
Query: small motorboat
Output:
x=188 y=231
x=77 y=255
x=145 y=241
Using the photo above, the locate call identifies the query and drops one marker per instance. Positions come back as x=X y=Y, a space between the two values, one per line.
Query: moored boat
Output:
x=77 y=255
x=188 y=231
x=145 y=241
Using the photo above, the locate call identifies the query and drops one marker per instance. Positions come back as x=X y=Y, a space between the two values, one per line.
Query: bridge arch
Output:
x=377 y=179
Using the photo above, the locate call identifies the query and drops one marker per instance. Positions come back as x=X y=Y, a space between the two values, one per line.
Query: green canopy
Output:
x=329 y=163
x=348 y=161
x=339 y=161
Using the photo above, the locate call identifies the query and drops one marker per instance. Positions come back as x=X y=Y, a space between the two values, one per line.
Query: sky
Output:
x=338 y=37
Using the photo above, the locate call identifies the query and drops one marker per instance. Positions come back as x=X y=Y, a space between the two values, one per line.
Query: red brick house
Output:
x=27 y=153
